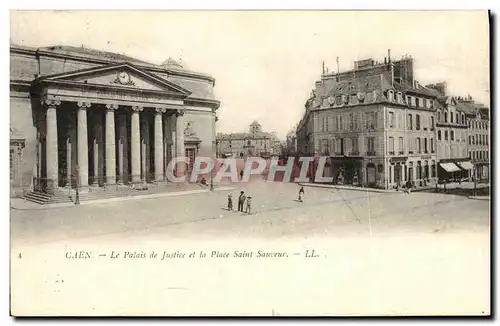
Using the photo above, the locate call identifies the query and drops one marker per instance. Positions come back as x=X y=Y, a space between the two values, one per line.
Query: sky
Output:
x=266 y=62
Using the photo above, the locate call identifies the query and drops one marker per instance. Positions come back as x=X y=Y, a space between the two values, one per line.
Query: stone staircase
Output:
x=42 y=198
x=99 y=193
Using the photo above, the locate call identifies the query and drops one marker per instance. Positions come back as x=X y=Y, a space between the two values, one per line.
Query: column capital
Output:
x=51 y=103
x=137 y=109
x=112 y=107
x=84 y=105
x=161 y=110
x=180 y=112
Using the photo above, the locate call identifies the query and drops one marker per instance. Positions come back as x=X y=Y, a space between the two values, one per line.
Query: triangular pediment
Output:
x=118 y=75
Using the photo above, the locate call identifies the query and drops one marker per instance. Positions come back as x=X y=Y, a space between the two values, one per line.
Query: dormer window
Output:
x=390 y=95
x=439 y=116
x=400 y=97
x=445 y=116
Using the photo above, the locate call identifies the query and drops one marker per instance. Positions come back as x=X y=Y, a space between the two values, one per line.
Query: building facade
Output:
x=375 y=123
x=107 y=118
x=253 y=143
x=478 y=127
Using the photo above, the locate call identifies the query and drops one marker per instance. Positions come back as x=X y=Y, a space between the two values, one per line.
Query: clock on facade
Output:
x=123 y=78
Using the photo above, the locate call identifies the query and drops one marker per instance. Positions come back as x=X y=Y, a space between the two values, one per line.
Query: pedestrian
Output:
x=301 y=193
x=249 y=205
x=230 y=202
x=241 y=175
x=241 y=201
x=408 y=187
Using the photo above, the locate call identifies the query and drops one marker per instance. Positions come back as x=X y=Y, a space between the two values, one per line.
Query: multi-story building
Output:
x=107 y=118
x=253 y=143
x=478 y=127
x=375 y=123
x=290 y=144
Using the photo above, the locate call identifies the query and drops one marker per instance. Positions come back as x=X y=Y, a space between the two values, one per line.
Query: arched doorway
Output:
x=371 y=175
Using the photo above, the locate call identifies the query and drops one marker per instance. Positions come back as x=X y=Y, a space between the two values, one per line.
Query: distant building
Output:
x=478 y=126
x=462 y=136
x=253 y=143
x=375 y=123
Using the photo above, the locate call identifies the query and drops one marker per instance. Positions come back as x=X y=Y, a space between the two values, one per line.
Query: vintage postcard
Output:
x=250 y=163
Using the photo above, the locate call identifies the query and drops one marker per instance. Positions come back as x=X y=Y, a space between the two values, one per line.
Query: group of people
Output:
x=241 y=202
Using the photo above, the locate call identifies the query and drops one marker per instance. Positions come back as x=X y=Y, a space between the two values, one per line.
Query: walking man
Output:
x=241 y=201
x=408 y=187
x=249 y=205
x=230 y=202
x=301 y=193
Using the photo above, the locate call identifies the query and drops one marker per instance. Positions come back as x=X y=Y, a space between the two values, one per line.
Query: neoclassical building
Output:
x=107 y=118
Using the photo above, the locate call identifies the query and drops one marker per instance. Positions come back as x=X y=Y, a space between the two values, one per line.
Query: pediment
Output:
x=118 y=75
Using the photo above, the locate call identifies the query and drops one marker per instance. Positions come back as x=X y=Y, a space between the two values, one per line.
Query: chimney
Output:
x=323 y=67
x=389 y=55
x=385 y=60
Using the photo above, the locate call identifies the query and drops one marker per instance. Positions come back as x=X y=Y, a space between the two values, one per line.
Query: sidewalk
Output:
x=21 y=204
x=480 y=197
x=342 y=187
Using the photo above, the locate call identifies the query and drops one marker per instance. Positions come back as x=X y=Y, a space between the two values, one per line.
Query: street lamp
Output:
x=212 y=169
x=77 y=196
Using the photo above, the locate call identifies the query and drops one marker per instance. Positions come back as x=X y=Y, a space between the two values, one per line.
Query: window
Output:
x=190 y=155
x=425 y=146
x=338 y=146
x=340 y=123
x=338 y=100
x=418 y=121
x=419 y=146
x=391 y=145
x=446 y=135
x=324 y=146
x=452 y=135
x=410 y=122
x=391 y=119
x=451 y=117
x=351 y=116
x=401 y=146
x=354 y=142
x=432 y=145
x=457 y=120
x=470 y=140
x=463 y=118
x=432 y=123
x=439 y=116
x=439 y=134
x=370 y=145
x=445 y=116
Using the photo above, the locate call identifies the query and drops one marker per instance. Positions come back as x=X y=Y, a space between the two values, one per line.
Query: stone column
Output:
x=83 y=148
x=159 y=144
x=145 y=155
x=95 y=182
x=110 y=144
x=179 y=142
x=68 y=162
x=135 y=144
x=51 y=152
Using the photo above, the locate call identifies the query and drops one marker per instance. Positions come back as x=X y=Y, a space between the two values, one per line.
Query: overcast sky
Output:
x=265 y=63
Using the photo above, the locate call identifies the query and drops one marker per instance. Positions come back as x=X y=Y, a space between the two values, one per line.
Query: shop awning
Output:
x=449 y=167
x=466 y=165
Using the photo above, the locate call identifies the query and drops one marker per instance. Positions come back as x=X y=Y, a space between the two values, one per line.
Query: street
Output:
x=374 y=253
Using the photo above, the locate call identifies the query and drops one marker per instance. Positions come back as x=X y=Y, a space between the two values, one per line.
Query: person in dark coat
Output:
x=301 y=193
x=408 y=187
x=230 y=202
x=241 y=201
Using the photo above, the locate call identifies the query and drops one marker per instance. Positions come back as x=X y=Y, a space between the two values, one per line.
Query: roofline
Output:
x=151 y=67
